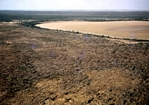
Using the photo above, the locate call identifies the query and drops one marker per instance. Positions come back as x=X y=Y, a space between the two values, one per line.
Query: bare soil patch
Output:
x=50 y=67
x=120 y=29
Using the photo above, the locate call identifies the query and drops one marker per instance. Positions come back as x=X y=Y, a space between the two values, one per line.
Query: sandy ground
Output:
x=126 y=29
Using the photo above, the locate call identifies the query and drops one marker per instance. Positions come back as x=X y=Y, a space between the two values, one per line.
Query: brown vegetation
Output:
x=49 y=67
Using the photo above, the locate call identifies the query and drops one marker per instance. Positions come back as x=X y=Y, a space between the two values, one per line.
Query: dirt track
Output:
x=47 y=67
x=120 y=29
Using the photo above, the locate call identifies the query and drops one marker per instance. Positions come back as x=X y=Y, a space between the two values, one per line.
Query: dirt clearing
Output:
x=120 y=29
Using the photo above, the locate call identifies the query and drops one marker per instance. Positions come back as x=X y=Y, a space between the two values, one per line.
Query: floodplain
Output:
x=119 y=29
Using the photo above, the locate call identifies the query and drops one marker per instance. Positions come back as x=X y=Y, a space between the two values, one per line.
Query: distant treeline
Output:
x=7 y=16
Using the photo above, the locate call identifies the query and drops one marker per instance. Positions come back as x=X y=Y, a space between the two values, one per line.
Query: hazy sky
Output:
x=74 y=4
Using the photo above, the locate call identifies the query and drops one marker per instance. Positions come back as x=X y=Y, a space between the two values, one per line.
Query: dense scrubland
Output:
x=53 y=67
x=41 y=16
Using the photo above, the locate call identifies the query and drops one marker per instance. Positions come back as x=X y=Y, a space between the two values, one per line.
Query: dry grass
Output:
x=126 y=29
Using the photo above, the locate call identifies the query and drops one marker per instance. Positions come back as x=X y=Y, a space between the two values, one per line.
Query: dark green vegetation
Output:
x=72 y=15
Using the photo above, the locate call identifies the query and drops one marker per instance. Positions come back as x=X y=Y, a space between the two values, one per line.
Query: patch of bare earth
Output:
x=47 y=67
x=119 y=29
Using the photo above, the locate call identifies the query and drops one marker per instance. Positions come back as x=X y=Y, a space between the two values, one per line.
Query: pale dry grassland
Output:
x=124 y=29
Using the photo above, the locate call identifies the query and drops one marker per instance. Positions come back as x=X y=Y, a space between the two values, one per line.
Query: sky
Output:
x=74 y=5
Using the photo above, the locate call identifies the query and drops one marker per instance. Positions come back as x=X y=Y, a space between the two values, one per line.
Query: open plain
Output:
x=53 y=67
x=119 y=29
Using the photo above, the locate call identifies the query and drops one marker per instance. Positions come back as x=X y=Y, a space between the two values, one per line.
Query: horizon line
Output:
x=120 y=10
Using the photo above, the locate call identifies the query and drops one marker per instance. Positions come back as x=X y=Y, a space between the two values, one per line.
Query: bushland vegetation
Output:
x=48 y=67
x=40 y=66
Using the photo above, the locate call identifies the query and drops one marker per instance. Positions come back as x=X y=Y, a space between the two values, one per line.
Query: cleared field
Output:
x=125 y=29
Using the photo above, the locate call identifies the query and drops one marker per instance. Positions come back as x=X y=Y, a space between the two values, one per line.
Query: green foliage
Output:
x=30 y=24
x=72 y=15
